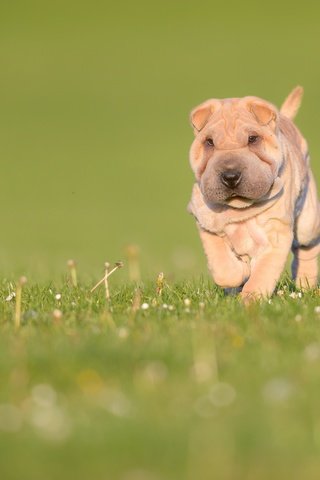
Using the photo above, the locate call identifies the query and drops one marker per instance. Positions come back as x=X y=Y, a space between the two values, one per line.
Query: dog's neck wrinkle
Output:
x=214 y=219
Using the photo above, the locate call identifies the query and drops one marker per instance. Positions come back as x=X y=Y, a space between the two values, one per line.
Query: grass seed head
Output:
x=160 y=283
x=23 y=280
x=132 y=251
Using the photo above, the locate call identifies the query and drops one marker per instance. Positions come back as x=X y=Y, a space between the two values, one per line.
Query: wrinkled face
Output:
x=236 y=154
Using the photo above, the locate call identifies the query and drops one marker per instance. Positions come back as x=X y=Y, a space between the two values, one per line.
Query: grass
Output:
x=190 y=385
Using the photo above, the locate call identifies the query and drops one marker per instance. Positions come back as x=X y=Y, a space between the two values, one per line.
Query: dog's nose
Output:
x=231 y=178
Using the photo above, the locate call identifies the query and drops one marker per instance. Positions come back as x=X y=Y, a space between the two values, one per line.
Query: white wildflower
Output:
x=204 y=407
x=123 y=332
x=46 y=416
x=144 y=306
x=10 y=297
x=277 y=390
x=222 y=394
x=155 y=372
x=51 y=423
x=312 y=352
x=115 y=402
x=293 y=295
x=44 y=395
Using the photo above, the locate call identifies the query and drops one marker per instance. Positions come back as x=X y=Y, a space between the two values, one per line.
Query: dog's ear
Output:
x=201 y=114
x=291 y=105
x=264 y=112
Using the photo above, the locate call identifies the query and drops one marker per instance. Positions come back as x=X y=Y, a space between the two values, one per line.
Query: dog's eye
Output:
x=209 y=142
x=253 y=138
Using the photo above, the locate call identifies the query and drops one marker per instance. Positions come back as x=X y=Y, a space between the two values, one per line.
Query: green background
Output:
x=94 y=130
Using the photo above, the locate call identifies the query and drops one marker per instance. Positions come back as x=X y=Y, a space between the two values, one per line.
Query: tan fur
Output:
x=248 y=230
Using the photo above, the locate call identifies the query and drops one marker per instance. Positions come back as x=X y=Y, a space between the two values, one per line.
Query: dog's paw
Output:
x=248 y=298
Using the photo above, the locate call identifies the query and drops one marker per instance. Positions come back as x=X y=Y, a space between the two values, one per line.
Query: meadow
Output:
x=176 y=383
x=180 y=383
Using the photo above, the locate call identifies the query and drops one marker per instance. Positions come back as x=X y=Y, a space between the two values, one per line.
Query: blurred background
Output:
x=94 y=129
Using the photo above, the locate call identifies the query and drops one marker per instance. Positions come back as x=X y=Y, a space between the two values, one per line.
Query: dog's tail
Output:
x=291 y=105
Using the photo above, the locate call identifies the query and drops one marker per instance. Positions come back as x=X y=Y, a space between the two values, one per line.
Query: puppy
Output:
x=255 y=197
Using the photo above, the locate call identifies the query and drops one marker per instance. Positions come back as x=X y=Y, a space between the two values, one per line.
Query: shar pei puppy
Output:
x=255 y=197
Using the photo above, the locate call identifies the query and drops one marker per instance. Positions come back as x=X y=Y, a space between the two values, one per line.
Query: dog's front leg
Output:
x=227 y=269
x=305 y=266
x=267 y=267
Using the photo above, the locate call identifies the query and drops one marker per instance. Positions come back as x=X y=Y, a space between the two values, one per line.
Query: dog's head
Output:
x=236 y=154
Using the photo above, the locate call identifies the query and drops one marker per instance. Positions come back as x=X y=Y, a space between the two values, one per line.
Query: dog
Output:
x=255 y=197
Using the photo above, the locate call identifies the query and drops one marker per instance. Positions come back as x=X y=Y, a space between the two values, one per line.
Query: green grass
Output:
x=195 y=386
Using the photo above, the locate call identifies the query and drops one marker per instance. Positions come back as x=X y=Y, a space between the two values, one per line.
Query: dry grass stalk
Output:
x=132 y=254
x=136 y=305
x=73 y=272
x=106 y=284
x=17 y=318
x=116 y=266
x=136 y=301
